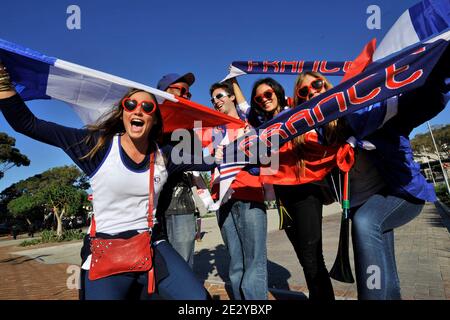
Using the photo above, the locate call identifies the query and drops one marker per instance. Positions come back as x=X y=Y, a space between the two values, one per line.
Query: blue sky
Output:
x=143 y=40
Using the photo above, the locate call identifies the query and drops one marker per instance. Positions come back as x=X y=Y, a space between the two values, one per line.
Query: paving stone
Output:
x=422 y=254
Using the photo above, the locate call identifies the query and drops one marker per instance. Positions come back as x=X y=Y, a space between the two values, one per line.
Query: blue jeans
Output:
x=243 y=225
x=181 y=284
x=181 y=234
x=373 y=245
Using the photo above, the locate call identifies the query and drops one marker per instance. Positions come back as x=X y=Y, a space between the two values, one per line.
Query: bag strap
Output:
x=151 y=188
x=150 y=198
x=93 y=227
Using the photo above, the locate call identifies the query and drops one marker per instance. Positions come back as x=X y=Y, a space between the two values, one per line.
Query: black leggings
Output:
x=304 y=205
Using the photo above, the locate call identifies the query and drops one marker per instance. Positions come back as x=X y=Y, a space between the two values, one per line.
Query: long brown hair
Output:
x=333 y=131
x=111 y=123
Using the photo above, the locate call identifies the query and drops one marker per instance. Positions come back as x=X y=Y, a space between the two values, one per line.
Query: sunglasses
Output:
x=219 y=96
x=130 y=105
x=183 y=91
x=303 y=92
x=268 y=94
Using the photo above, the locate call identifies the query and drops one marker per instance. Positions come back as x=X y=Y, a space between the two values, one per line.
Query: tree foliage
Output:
x=59 y=190
x=9 y=155
x=423 y=141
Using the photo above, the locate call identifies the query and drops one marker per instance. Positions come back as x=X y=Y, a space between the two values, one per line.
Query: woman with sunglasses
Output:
x=120 y=153
x=387 y=189
x=303 y=201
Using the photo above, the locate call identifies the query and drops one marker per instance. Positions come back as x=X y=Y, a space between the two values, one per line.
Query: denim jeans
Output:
x=181 y=284
x=373 y=226
x=181 y=235
x=243 y=225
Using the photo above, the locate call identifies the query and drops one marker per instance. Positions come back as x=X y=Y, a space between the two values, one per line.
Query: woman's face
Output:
x=266 y=98
x=138 y=122
x=310 y=87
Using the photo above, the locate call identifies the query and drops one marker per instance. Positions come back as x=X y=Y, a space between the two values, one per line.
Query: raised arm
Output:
x=22 y=120
x=237 y=91
x=369 y=119
x=241 y=102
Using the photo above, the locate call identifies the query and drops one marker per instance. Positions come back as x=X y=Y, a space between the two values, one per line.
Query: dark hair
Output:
x=111 y=124
x=221 y=85
x=256 y=115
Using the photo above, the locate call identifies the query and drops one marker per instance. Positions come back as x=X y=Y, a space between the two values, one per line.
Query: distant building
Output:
x=429 y=164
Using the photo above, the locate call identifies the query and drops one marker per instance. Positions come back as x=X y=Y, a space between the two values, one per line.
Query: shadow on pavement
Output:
x=278 y=276
x=210 y=263
x=445 y=215
x=22 y=259
x=287 y=295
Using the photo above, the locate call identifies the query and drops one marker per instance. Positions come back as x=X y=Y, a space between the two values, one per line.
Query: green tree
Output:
x=9 y=155
x=26 y=206
x=62 y=200
x=59 y=190
x=422 y=141
x=6 y=196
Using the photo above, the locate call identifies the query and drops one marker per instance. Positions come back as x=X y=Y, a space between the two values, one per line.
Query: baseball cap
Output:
x=172 y=78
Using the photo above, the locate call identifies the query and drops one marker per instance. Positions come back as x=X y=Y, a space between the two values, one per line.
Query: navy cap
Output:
x=172 y=78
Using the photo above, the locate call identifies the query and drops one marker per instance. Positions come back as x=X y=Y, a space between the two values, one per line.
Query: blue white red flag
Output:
x=423 y=20
x=91 y=93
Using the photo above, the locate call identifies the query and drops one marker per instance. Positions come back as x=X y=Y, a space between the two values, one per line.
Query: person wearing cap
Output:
x=176 y=84
x=176 y=202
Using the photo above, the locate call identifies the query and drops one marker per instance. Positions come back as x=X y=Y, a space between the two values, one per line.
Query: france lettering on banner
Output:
x=421 y=21
x=335 y=68
x=425 y=19
x=399 y=73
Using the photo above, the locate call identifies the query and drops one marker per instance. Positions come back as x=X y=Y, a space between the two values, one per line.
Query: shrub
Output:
x=73 y=234
x=48 y=236
x=27 y=243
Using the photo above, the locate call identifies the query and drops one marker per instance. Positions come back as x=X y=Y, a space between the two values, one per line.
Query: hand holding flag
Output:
x=91 y=93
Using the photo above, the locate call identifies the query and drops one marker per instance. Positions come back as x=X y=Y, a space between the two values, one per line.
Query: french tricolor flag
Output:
x=91 y=93
x=423 y=20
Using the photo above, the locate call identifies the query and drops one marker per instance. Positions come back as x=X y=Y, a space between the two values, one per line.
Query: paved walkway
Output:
x=25 y=278
x=422 y=254
x=422 y=251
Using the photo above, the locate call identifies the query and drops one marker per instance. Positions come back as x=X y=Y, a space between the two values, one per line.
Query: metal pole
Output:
x=439 y=157
x=428 y=162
